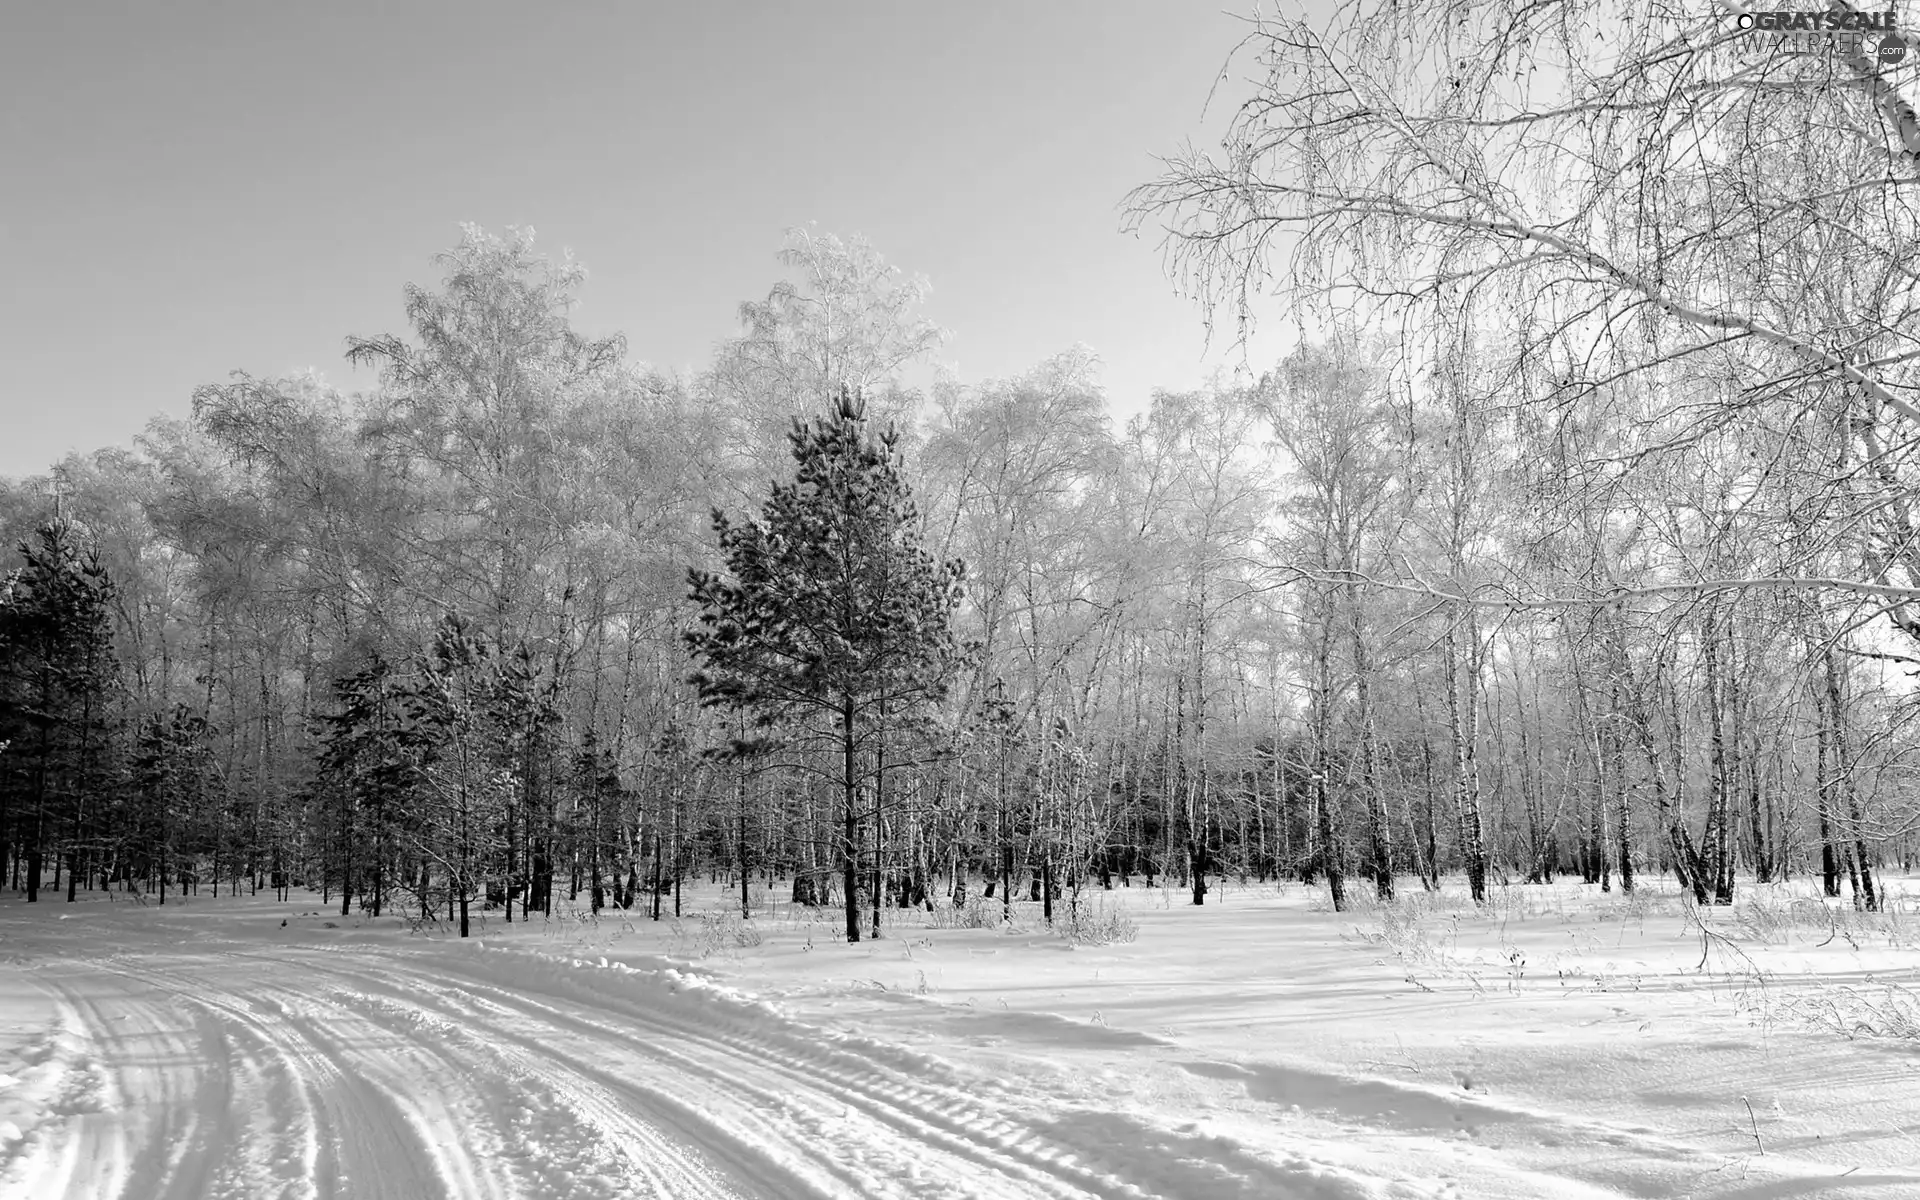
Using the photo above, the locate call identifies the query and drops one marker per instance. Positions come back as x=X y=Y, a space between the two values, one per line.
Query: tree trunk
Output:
x=1865 y=895
x=1717 y=836
x=1379 y=829
x=1462 y=724
x=850 y=821
x=1327 y=855
x=1617 y=762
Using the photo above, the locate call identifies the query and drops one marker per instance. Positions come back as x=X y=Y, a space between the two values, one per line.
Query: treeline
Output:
x=529 y=622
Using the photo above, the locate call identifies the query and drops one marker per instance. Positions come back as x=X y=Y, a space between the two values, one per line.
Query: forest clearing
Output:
x=1564 y=1043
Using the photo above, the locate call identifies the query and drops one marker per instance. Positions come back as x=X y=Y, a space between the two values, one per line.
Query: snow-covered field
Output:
x=1560 y=1043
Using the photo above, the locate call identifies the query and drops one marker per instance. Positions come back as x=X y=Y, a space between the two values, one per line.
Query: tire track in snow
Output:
x=902 y=1125
x=377 y=1131
x=349 y=1132
x=296 y=1074
x=622 y=1107
x=279 y=1153
x=177 y=1098
x=187 y=1136
x=911 y=1116
x=400 y=1047
x=139 y=1127
x=884 y=1151
x=653 y=1167
x=424 y=1114
x=908 y=1120
x=146 y=1087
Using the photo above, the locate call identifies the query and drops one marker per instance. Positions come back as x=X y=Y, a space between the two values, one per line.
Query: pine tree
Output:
x=597 y=791
x=832 y=623
x=171 y=774
x=522 y=705
x=369 y=751
x=58 y=680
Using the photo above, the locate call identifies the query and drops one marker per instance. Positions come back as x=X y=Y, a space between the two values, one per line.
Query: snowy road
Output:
x=213 y=1050
x=224 y=1068
x=388 y=1075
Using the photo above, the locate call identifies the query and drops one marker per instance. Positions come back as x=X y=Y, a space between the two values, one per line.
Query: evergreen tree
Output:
x=597 y=792
x=832 y=622
x=58 y=679
x=522 y=703
x=171 y=776
x=369 y=750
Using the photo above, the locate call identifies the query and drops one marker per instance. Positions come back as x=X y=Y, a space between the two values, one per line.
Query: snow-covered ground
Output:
x=1560 y=1043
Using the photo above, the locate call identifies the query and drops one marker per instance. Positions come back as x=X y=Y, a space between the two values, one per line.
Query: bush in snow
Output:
x=1096 y=924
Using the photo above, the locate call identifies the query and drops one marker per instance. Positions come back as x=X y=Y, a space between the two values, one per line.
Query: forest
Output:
x=1574 y=537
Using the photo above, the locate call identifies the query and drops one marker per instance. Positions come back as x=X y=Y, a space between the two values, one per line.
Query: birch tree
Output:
x=1592 y=194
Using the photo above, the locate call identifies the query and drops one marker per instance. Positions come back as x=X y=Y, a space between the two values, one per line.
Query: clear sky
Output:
x=192 y=188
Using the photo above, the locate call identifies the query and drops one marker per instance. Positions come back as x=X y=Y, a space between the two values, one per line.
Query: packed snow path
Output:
x=208 y=1050
x=203 y=1069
